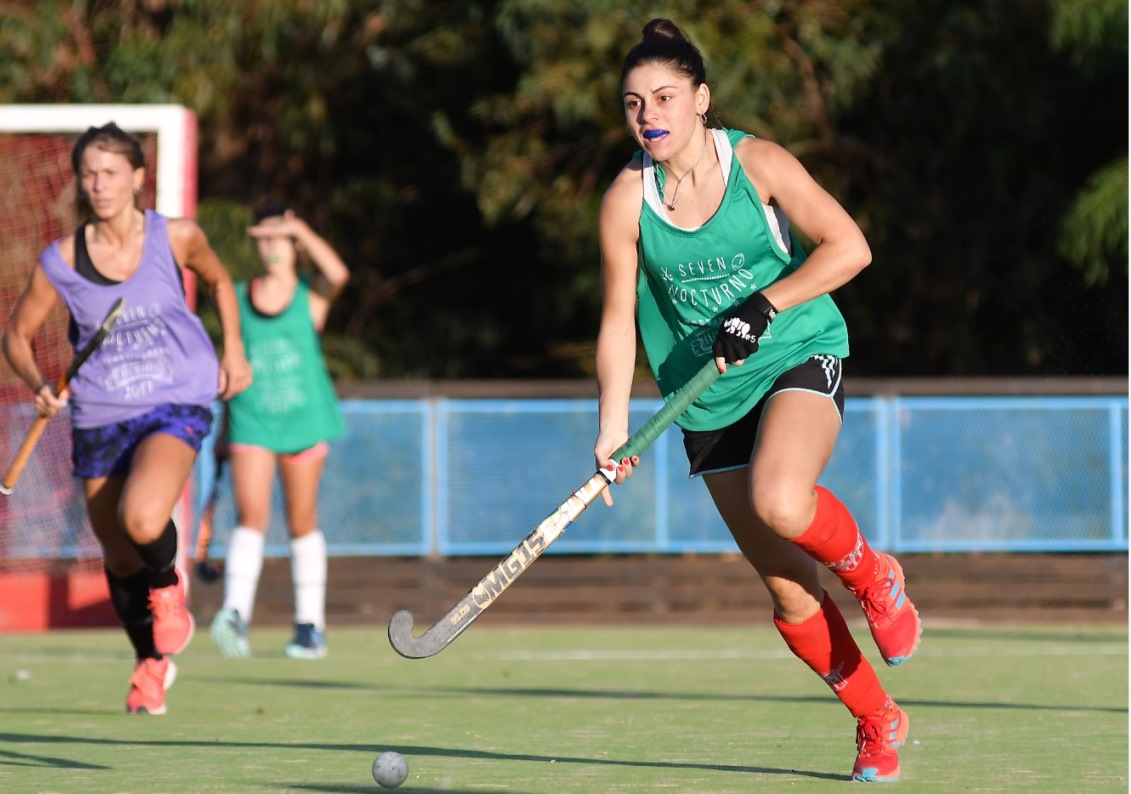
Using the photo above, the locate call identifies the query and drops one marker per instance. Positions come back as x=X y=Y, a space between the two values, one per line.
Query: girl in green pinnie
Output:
x=286 y=421
x=697 y=254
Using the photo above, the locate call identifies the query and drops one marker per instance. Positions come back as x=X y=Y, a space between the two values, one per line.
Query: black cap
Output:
x=272 y=208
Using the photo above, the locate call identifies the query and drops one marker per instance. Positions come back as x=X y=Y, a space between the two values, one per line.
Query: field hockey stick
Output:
x=32 y=438
x=491 y=586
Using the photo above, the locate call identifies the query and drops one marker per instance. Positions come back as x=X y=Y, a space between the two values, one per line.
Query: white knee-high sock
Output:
x=241 y=571
x=308 y=570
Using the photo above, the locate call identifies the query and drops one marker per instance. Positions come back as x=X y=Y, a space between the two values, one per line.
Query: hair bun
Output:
x=663 y=29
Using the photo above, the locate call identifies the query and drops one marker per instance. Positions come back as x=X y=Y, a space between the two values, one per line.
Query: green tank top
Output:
x=290 y=405
x=688 y=280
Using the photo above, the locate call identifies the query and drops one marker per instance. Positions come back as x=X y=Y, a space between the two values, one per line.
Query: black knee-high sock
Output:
x=130 y=597
x=160 y=557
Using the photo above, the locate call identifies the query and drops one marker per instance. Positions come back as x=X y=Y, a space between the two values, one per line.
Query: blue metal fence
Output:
x=464 y=477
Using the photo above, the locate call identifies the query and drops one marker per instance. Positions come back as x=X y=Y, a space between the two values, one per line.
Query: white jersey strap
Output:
x=779 y=223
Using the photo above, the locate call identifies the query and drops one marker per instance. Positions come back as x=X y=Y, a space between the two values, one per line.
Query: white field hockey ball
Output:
x=390 y=769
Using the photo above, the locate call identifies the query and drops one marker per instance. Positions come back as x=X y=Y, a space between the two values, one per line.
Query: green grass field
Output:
x=1028 y=709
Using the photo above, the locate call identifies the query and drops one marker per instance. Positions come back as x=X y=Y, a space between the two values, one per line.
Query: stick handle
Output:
x=17 y=465
x=32 y=437
x=679 y=402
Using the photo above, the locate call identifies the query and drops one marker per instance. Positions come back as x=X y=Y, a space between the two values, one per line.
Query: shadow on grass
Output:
x=366 y=789
x=409 y=751
x=463 y=692
x=11 y=758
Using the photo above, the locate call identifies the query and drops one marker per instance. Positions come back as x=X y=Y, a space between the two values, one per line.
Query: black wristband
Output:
x=742 y=327
x=760 y=302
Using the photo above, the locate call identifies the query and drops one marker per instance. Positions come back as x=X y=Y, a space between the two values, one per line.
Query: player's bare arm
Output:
x=191 y=249
x=841 y=250
x=332 y=273
x=616 y=340
x=29 y=315
x=332 y=276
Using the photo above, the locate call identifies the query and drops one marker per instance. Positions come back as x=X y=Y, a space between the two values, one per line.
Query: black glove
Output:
x=744 y=324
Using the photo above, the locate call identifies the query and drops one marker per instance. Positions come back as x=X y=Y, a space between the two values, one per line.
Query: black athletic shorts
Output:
x=712 y=451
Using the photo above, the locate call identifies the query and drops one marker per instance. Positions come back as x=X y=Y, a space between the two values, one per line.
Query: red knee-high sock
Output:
x=834 y=540
x=825 y=644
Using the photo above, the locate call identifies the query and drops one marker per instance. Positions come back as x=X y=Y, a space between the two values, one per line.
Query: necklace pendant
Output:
x=671 y=207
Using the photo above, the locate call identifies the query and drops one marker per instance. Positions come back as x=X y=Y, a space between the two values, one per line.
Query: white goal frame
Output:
x=175 y=126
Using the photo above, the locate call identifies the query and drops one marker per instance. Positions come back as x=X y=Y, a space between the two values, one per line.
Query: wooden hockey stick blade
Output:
x=23 y=454
x=490 y=587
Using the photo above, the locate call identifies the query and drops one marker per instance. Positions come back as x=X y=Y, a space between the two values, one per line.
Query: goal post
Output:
x=44 y=531
x=173 y=126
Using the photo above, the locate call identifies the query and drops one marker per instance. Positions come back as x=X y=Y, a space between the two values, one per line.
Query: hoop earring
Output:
x=137 y=192
x=703 y=118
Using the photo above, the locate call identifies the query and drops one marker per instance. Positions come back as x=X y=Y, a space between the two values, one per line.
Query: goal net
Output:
x=43 y=523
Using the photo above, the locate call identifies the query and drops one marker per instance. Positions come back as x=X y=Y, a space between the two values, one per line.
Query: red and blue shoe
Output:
x=891 y=616
x=878 y=738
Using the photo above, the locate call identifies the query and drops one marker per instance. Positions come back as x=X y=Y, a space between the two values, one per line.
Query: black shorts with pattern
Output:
x=106 y=451
x=730 y=447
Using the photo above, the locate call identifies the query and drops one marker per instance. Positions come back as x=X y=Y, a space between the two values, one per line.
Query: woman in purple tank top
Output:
x=140 y=403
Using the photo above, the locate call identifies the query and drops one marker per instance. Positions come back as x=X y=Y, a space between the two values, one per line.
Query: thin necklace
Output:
x=679 y=182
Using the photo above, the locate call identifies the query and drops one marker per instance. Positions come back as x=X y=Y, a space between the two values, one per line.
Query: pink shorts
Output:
x=317 y=452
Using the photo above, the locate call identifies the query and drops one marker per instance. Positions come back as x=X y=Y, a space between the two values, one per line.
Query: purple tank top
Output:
x=157 y=354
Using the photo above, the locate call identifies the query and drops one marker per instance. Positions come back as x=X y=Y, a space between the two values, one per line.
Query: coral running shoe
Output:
x=878 y=738
x=892 y=617
x=148 y=684
x=173 y=625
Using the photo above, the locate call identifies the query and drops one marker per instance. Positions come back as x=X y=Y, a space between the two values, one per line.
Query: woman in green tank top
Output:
x=697 y=255
x=285 y=421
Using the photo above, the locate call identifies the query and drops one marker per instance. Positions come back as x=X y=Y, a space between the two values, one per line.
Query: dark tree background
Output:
x=455 y=153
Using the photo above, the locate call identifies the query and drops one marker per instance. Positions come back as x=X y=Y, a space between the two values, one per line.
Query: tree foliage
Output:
x=456 y=154
x=1094 y=35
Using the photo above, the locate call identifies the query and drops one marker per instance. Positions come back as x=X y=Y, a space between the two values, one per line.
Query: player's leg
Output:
x=253 y=479
x=101 y=458
x=159 y=468
x=795 y=441
x=126 y=575
x=205 y=569
x=128 y=582
x=797 y=432
x=810 y=623
x=819 y=635
x=301 y=475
